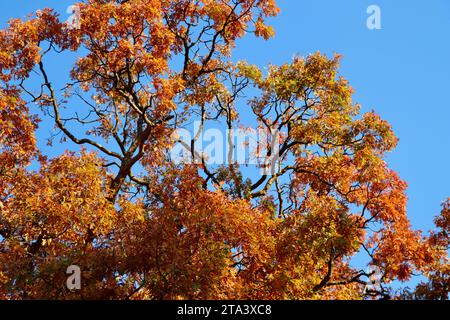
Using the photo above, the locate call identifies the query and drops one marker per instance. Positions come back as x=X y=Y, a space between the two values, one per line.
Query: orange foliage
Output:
x=143 y=227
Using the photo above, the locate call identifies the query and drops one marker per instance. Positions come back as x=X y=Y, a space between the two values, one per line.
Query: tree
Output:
x=143 y=226
x=437 y=273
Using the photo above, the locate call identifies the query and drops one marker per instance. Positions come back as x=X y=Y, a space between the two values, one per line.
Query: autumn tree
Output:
x=143 y=226
x=437 y=273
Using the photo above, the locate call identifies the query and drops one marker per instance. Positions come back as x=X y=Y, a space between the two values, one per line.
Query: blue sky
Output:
x=401 y=71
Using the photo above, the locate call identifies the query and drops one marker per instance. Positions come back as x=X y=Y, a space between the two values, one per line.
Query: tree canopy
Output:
x=143 y=226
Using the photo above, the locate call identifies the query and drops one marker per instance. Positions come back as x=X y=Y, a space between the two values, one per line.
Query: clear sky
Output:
x=402 y=71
